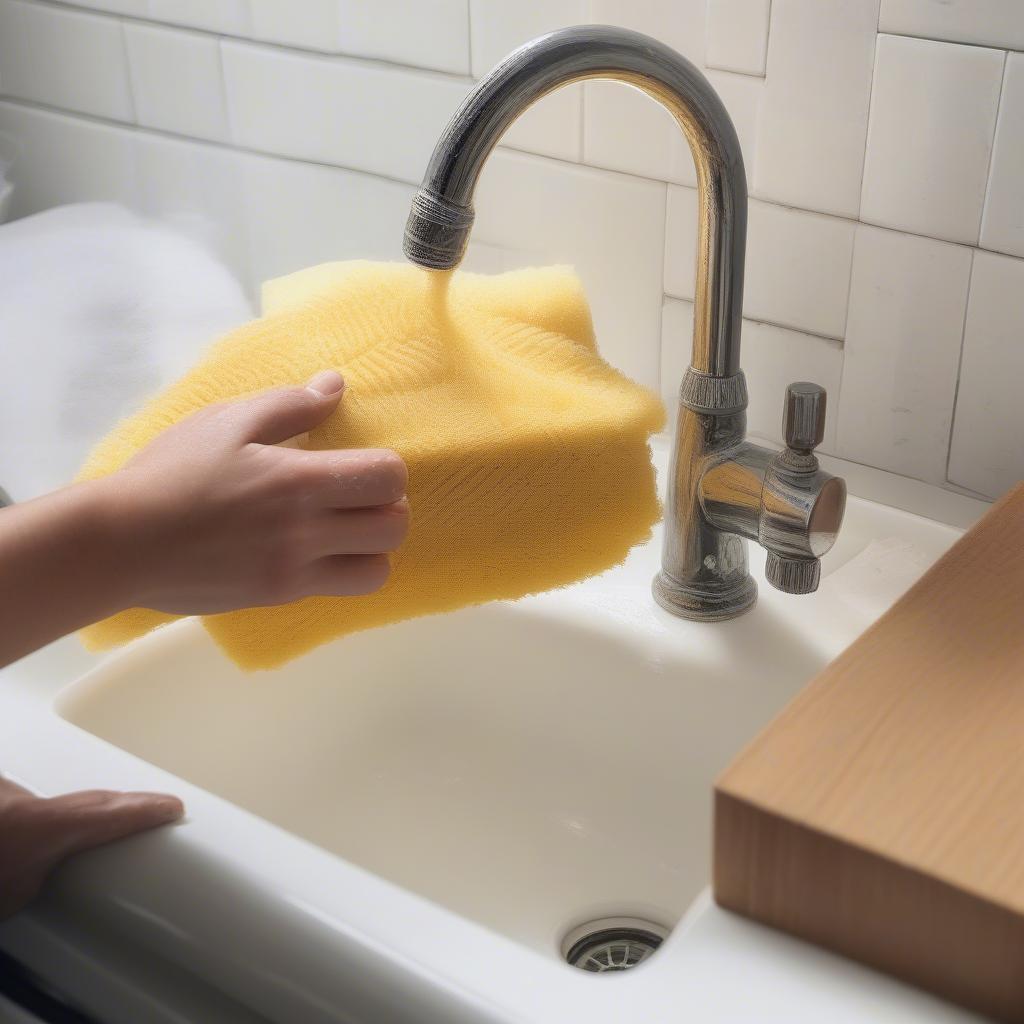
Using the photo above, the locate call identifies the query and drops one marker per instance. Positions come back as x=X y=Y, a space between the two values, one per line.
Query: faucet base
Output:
x=700 y=605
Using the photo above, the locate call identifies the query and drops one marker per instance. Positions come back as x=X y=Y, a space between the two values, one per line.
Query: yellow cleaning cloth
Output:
x=528 y=457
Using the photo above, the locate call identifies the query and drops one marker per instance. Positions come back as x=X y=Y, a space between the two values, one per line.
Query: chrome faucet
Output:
x=722 y=488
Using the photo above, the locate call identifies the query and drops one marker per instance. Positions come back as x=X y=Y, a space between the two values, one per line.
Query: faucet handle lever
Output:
x=804 y=416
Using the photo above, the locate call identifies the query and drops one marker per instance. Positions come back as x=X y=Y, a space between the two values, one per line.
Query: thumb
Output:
x=81 y=821
x=277 y=415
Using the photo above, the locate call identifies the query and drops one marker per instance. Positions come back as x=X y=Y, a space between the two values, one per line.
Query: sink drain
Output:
x=612 y=944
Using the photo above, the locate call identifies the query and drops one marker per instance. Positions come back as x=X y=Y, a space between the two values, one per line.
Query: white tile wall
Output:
x=625 y=130
x=737 y=35
x=198 y=189
x=176 y=81
x=228 y=16
x=798 y=263
x=65 y=159
x=298 y=215
x=283 y=135
x=313 y=24
x=933 y=115
x=908 y=296
x=989 y=22
x=681 y=242
x=336 y=111
x=64 y=59
x=610 y=226
x=554 y=125
x=799 y=272
x=775 y=357
x=1002 y=227
x=987 y=453
x=432 y=34
x=810 y=145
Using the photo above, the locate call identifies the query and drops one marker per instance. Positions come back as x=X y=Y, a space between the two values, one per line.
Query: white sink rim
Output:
x=322 y=910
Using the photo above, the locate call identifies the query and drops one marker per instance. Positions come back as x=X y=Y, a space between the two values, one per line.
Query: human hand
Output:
x=213 y=516
x=36 y=833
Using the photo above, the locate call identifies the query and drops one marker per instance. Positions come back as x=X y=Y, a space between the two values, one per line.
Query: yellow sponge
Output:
x=528 y=457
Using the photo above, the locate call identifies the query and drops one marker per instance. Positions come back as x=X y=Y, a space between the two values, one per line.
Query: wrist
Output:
x=102 y=523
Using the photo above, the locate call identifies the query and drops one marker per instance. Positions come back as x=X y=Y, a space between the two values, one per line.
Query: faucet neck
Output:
x=442 y=214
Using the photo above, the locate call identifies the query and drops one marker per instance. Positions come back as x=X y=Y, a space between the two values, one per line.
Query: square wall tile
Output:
x=933 y=115
x=608 y=226
x=1002 y=225
x=987 y=453
x=988 y=22
x=553 y=126
x=908 y=296
x=337 y=111
x=737 y=35
x=772 y=358
x=424 y=35
x=797 y=263
x=626 y=130
x=299 y=215
x=66 y=159
x=176 y=80
x=798 y=268
x=64 y=58
x=230 y=17
x=814 y=114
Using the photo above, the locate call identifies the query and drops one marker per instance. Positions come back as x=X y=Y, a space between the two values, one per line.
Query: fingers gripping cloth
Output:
x=529 y=465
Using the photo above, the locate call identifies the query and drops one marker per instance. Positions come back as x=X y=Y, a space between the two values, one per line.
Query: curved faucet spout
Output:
x=442 y=213
x=722 y=490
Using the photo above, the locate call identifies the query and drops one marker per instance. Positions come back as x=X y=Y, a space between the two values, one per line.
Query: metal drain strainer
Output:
x=612 y=944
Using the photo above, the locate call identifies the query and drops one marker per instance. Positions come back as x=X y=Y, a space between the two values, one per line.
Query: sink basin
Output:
x=529 y=766
x=526 y=770
x=408 y=824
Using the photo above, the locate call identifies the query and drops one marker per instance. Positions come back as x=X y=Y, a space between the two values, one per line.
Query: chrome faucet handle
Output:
x=803 y=423
x=804 y=505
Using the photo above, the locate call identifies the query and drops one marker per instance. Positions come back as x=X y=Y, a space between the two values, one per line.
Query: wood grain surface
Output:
x=882 y=813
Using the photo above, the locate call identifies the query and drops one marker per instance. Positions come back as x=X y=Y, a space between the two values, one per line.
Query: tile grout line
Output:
x=583 y=124
x=951 y=42
x=959 y=370
x=128 y=75
x=992 y=152
x=164 y=133
x=830 y=339
x=250 y=282
x=101 y=119
x=171 y=26
x=846 y=335
x=664 y=264
x=867 y=125
x=463 y=79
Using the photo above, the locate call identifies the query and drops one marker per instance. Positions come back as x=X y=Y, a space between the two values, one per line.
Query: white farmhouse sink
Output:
x=523 y=767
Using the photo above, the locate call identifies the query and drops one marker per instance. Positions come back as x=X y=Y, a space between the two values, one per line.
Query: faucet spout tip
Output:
x=437 y=231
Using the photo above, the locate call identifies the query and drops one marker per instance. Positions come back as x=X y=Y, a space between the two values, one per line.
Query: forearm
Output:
x=60 y=567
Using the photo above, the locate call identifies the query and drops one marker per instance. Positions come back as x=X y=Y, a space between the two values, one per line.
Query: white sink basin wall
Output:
x=525 y=768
